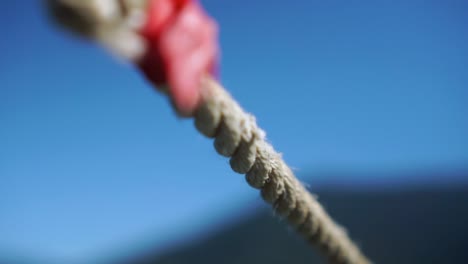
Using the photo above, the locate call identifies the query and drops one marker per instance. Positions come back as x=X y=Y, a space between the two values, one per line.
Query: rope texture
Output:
x=236 y=135
x=235 y=132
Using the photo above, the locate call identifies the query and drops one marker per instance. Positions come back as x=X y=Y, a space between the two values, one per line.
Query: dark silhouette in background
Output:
x=396 y=224
x=402 y=221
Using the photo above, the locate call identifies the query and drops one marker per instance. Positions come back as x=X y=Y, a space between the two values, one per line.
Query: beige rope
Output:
x=237 y=135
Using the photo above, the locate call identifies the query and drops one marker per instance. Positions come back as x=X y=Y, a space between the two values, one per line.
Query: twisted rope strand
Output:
x=236 y=135
x=235 y=132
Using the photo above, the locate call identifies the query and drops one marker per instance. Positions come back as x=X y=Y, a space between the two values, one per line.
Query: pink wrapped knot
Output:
x=182 y=47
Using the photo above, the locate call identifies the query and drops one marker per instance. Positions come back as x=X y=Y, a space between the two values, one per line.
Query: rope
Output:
x=235 y=132
x=236 y=135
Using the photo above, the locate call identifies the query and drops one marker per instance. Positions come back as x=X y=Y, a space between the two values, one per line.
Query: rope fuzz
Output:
x=116 y=25
x=236 y=135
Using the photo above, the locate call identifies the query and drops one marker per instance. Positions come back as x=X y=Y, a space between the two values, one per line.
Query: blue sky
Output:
x=91 y=159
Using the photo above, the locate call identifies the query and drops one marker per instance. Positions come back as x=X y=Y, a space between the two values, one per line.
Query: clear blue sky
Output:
x=91 y=159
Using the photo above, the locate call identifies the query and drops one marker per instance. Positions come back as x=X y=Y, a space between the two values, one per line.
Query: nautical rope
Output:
x=219 y=116
x=236 y=135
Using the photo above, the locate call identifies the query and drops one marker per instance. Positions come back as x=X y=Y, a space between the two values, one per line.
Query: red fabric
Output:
x=182 y=48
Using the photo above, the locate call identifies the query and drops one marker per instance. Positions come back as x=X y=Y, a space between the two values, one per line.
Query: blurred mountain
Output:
x=402 y=220
x=416 y=224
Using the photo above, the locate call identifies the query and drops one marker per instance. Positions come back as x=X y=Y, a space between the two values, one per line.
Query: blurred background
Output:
x=367 y=101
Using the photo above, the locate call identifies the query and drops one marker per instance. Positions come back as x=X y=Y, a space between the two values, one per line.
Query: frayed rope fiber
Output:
x=117 y=24
x=236 y=135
